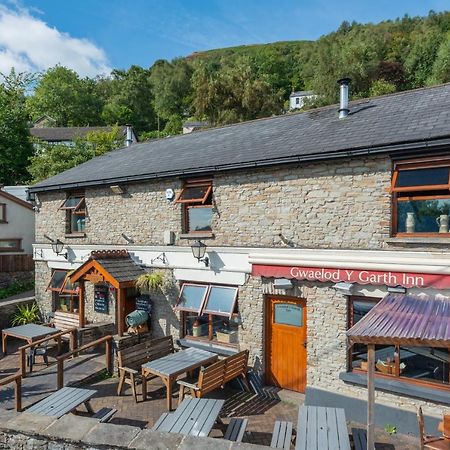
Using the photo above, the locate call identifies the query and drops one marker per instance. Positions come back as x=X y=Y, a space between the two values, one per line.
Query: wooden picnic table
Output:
x=194 y=417
x=62 y=402
x=170 y=367
x=321 y=428
x=30 y=332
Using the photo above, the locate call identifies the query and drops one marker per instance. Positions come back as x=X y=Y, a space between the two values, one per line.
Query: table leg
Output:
x=169 y=387
x=58 y=343
x=4 y=345
x=88 y=407
x=144 y=387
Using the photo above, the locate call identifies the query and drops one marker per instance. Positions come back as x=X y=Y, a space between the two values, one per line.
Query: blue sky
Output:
x=118 y=33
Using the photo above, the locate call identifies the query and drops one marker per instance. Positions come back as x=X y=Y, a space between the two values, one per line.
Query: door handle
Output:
x=305 y=344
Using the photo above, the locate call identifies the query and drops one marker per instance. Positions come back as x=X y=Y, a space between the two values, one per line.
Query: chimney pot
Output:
x=343 y=104
x=129 y=136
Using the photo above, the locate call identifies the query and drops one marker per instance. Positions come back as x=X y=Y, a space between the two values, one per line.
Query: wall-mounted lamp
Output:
x=198 y=250
x=282 y=283
x=397 y=289
x=344 y=288
x=161 y=257
x=57 y=246
x=116 y=189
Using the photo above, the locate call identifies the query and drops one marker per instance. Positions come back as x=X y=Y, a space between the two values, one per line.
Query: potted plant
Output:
x=149 y=282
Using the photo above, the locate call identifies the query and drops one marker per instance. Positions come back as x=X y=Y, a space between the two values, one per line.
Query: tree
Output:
x=381 y=87
x=15 y=145
x=441 y=66
x=69 y=100
x=51 y=159
x=171 y=87
x=130 y=99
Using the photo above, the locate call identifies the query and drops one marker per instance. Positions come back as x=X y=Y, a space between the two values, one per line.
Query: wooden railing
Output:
x=57 y=336
x=108 y=354
x=17 y=380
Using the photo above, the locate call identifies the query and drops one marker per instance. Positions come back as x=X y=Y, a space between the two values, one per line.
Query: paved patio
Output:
x=261 y=410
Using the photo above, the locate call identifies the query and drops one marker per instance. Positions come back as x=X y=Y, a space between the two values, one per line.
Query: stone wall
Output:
x=8 y=308
x=323 y=205
x=8 y=278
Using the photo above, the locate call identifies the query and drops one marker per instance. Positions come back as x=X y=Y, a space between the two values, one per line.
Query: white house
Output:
x=297 y=99
x=16 y=221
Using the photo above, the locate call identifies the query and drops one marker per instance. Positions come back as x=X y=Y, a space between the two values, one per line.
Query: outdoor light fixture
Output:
x=57 y=246
x=397 y=289
x=198 y=250
x=116 y=189
x=344 y=288
x=282 y=283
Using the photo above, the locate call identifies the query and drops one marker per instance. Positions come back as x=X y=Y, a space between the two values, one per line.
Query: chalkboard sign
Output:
x=101 y=303
x=143 y=303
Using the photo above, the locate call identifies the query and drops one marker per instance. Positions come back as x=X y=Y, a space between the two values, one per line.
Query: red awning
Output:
x=405 y=320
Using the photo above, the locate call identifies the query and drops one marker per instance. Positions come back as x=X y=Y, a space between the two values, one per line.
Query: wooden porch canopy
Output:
x=399 y=319
x=115 y=267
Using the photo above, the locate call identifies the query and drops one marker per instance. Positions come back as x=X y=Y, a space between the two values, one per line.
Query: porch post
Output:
x=371 y=397
x=81 y=313
x=120 y=311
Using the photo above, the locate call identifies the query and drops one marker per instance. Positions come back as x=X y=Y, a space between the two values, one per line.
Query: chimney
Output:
x=129 y=138
x=343 y=105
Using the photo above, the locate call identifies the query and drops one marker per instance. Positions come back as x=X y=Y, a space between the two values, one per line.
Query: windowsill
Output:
x=209 y=346
x=418 y=240
x=399 y=387
x=197 y=236
x=75 y=235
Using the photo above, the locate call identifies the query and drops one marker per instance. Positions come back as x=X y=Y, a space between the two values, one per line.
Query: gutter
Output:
x=405 y=147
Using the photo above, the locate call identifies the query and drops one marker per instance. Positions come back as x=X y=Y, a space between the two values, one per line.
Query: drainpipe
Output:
x=343 y=104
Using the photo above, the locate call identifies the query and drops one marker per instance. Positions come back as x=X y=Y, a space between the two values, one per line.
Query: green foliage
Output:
x=174 y=125
x=149 y=282
x=381 y=87
x=15 y=146
x=51 y=159
x=148 y=135
x=390 y=429
x=65 y=97
x=16 y=287
x=129 y=99
x=26 y=314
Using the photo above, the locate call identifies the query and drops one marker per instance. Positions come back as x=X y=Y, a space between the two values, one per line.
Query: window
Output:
x=10 y=245
x=196 y=198
x=421 y=197
x=297 y=101
x=417 y=364
x=75 y=207
x=3 y=213
x=209 y=312
x=65 y=293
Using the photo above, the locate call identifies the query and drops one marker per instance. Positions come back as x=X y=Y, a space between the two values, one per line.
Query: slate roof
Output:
x=58 y=134
x=301 y=93
x=122 y=269
x=407 y=319
x=408 y=120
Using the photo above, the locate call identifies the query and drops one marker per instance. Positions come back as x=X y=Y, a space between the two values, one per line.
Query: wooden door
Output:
x=286 y=343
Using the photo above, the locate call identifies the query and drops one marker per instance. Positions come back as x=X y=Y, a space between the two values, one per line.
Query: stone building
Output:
x=308 y=220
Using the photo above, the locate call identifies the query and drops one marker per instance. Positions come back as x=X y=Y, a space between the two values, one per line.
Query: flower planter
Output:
x=228 y=337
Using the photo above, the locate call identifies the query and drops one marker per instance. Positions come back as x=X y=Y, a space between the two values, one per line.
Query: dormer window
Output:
x=75 y=207
x=196 y=198
x=421 y=197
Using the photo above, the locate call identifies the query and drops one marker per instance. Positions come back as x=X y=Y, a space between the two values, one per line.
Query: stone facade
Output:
x=340 y=204
x=315 y=205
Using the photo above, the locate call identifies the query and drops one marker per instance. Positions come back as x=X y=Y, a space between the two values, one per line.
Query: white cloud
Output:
x=29 y=44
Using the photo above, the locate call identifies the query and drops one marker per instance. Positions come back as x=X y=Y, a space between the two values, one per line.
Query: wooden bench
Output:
x=282 y=435
x=236 y=366
x=359 y=438
x=210 y=379
x=104 y=415
x=131 y=359
x=236 y=430
x=65 y=321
